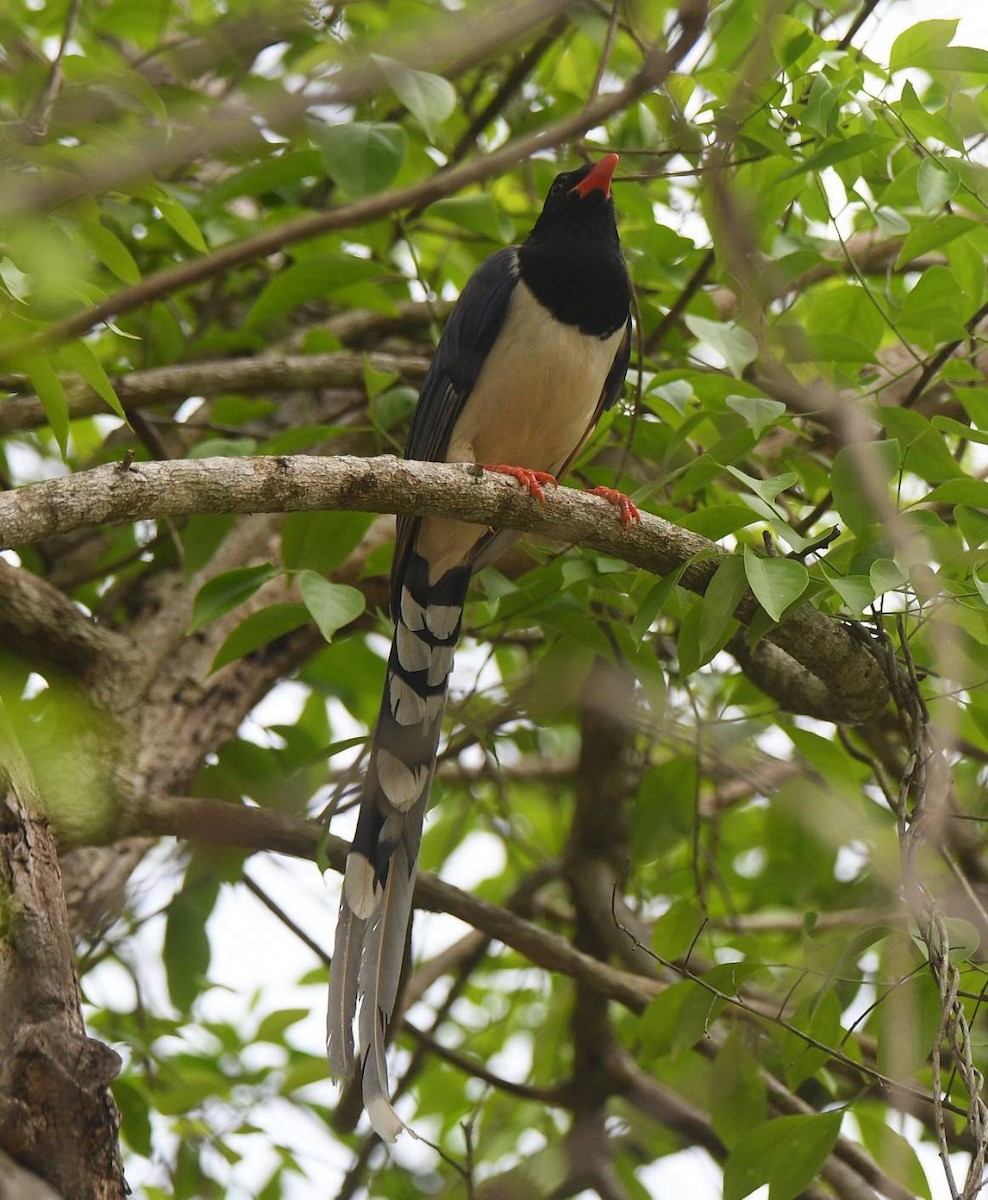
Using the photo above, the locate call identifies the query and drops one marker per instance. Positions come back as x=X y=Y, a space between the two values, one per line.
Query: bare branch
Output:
x=267 y=373
x=219 y=823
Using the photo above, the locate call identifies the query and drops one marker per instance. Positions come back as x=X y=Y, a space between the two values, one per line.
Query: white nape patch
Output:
x=384 y=1120
x=407 y=706
x=442 y=618
x=359 y=887
x=401 y=783
x=412 y=613
x=441 y=664
x=413 y=653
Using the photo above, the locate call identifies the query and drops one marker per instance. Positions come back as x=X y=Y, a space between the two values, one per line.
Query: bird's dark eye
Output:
x=557 y=188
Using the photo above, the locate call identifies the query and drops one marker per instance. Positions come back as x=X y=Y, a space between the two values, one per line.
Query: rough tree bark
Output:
x=57 y=1115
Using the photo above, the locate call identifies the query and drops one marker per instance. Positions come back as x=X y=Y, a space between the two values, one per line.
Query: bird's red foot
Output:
x=532 y=480
x=628 y=511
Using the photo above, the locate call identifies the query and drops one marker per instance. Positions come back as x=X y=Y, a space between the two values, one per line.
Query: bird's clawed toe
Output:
x=532 y=480
x=629 y=513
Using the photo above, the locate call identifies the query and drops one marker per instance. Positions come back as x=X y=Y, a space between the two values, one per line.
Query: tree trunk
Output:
x=58 y=1119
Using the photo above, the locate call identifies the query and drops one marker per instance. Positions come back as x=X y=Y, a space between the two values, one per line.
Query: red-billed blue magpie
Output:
x=534 y=350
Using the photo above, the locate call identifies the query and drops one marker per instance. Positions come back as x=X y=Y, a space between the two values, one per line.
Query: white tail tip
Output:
x=384 y=1120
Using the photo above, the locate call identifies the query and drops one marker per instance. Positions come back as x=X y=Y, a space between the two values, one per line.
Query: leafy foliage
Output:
x=805 y=227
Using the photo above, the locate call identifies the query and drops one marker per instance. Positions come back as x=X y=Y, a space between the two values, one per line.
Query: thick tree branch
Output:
x=821 y=645
x=41 y=623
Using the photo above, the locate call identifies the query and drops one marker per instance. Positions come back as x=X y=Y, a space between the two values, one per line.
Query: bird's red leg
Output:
x=629 y=513
x=532 y=480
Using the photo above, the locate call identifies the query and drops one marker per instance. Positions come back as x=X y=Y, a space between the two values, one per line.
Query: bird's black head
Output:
x=571 y=261
x=581 y=196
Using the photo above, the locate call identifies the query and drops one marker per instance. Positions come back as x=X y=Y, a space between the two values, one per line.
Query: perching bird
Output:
x=536 y=348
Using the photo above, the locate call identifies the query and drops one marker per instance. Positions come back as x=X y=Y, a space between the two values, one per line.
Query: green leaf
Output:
x=929 y=458
x=738 y=1100
x=80 y=356
x=776 y=582
x=790 y=38
x=260 y=628
x=429 y=98
x=173 y=214
x=758 y=411
x=885 y=576
x=959 y=429
x=51 y=393
x=675 y=1019
x=927 y=46
x=959 y=491
x=905 y=1023
x=723 y=594
x=858 y=471
x=935 y=185
x=477 y=213
x=819 y=1018
x=653 y=602
x=980 y=583
x=312 y=278
x=674 y=933
x=766 y=489
x=807 y=1142
x=972 y=524
x=854 y=590
x=273 y=1026
x=890 y=222
x=321 y=541
x=929 y=235
x=186 y=945
x=786 y=1153
x=973 y=60
x=913 y=47
x=735 y=345
x=224 y=592
x=719 y=520
x=835 y=152
x=362 y=158
x=332 y=605
x=376 y=381
x=894 y=1153
x=393 y=406
x=111 y=251
x=135 y=1118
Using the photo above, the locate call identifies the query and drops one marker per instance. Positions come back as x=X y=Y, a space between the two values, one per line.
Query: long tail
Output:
x=380 y=868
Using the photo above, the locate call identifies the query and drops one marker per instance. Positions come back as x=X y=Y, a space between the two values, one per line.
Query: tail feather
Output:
x=380 y=972
x=343 y=991
x=380 y=869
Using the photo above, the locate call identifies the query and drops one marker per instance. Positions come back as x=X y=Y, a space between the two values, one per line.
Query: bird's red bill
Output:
x=599 y=179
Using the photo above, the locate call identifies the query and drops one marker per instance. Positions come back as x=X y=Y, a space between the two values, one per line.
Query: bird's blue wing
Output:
x=470 y=333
